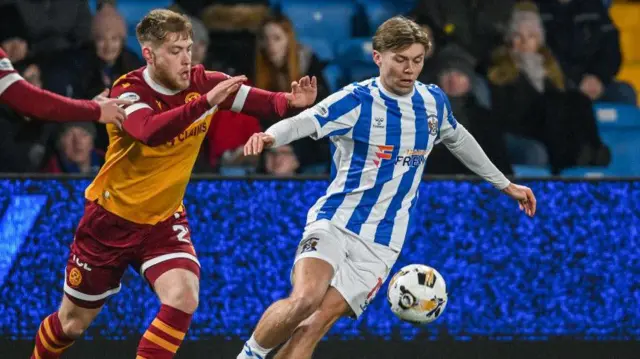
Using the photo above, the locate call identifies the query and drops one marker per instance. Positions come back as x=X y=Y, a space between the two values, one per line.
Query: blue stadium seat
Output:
x=133 y=10
x=355 y=57
x=530 y=171
x=589 y=172
x=320 y=46
x=133 y=45
x=93 y=6
x=619 y=127
x=329 y=19
x=377 y=12
x=354 y=51
x=334 y=75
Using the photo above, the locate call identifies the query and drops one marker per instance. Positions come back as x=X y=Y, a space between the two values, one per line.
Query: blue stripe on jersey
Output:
x=339 y=108
x=385 y=228
x=361 y=131
x=385 y=173
x=339 y=132
x=332 y=150
x=438 y=96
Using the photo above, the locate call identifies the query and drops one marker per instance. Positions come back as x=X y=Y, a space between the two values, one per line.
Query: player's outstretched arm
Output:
x=35 y=102
x=156 y=129
x=282 y=133
x=465 y=147
x=333 y=116
x=266 y=104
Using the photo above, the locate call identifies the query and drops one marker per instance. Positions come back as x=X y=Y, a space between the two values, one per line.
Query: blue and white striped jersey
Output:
x=379 y=144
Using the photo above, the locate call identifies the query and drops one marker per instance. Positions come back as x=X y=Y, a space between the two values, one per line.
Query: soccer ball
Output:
x=417 y=294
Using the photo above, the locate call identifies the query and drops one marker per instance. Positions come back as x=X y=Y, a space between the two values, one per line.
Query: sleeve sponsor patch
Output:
x=132 y=96
x=5 y=65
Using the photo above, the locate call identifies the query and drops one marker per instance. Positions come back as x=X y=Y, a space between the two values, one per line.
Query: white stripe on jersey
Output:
x=8 y=80
x=391 y=187
x=135 y=107
x=241 y=98
x=381 y=143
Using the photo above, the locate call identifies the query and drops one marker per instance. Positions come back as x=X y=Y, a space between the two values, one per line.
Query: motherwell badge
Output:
x=191 y=96
x=75 y=277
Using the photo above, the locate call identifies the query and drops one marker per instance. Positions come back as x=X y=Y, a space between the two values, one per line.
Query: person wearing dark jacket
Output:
x=107 y=60
x=24 y=142
x=454 y=73
x=476 y=26
x=586 y=43
x=531 y=101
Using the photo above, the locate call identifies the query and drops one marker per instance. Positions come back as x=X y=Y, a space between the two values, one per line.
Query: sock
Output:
x=165 y=334
x=50 y=340
x=253 y=350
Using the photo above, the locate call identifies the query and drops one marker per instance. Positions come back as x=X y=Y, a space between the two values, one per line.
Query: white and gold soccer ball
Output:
x=417 y=294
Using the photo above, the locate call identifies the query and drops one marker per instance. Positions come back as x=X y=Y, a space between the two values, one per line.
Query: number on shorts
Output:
x=183 y=233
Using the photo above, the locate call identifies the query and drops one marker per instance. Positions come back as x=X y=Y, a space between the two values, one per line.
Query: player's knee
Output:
x=183 y=298
x=73 y=326
x=303 y=306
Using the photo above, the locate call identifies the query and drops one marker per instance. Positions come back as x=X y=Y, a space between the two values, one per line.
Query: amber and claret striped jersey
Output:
x=149 y=162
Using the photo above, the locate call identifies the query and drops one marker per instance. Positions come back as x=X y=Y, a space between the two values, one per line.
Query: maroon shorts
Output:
x=105 y=245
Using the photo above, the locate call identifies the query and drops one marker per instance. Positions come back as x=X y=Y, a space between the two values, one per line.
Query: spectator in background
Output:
x=281 y=161
x=56 y=33
x=200 y=42
x=75 y=152
x=454 y=72
x=107 y=60
x=55 y=26
x=543 y=119
x=281 y=60
x=13 y=33
x=587 y=45
x=476 y=26
x=24 y=142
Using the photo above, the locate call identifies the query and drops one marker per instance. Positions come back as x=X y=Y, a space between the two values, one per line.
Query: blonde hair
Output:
x=159 y=23
x=398 y=33
x=265 y=71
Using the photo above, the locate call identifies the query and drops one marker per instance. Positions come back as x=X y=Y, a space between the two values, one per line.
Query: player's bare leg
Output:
x=311 y=279
x=59 y=330
x=307 y=335
x=178 y=292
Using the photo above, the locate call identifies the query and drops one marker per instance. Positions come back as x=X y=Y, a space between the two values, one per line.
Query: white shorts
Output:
x=359 y=266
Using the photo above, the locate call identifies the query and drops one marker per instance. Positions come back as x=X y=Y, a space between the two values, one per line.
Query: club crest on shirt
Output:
x=432 y=122
x=5 y=65
x=191 y=96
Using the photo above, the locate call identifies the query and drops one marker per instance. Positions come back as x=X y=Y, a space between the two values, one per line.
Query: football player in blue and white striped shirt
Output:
x=381 y=132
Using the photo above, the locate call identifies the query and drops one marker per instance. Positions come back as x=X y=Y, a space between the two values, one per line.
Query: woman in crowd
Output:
x=546 y=124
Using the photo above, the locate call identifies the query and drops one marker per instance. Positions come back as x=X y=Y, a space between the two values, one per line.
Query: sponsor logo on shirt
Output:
x=5 y=65
x=132 y=96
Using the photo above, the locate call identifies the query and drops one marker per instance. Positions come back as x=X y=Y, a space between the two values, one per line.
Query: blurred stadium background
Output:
x=563 y=285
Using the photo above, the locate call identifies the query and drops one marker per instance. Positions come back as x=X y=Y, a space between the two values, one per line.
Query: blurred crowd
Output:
x=521 y=76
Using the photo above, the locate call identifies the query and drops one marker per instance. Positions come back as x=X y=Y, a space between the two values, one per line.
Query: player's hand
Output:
x=303 y=93
x=225 y=88
x=524 y=196
x=111 y=110
x=257 y=143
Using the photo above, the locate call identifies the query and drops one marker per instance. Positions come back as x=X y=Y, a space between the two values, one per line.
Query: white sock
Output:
x=253 y=350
